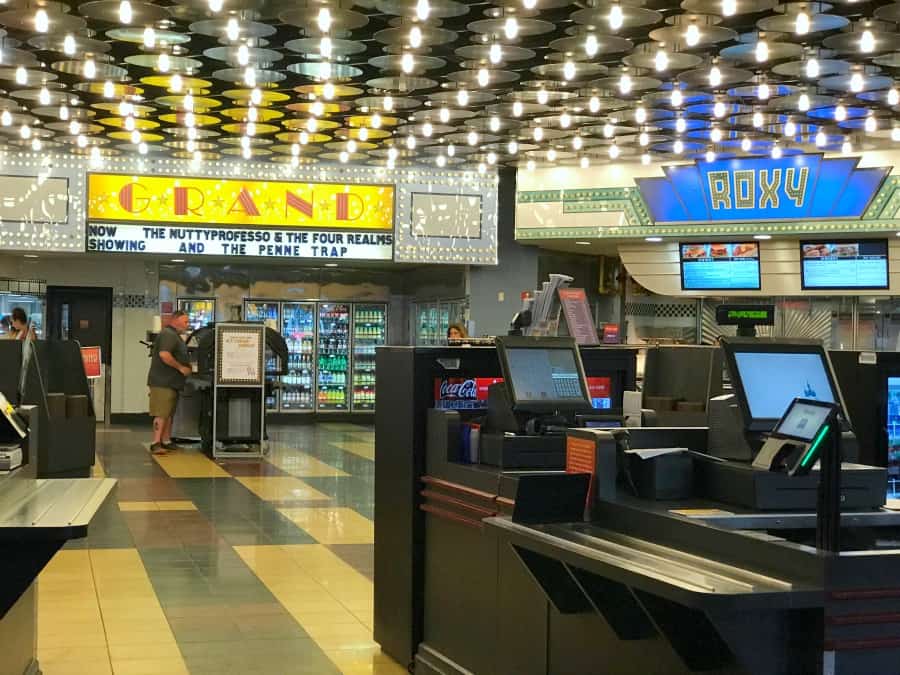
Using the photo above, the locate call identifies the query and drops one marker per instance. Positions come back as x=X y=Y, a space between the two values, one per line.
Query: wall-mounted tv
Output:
x=720 y=266
x=843 y=265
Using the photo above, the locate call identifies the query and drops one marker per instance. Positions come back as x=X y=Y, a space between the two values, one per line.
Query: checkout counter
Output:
x=638 y=560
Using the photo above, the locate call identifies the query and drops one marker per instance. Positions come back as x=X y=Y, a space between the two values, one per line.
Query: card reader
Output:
x=797 y=440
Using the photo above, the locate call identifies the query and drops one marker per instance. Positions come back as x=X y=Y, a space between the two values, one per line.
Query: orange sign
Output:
x=91 y=358
x=173 y=200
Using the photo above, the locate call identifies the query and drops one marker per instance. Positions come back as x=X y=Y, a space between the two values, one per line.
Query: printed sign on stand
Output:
x=578 y=316
x=92 y=363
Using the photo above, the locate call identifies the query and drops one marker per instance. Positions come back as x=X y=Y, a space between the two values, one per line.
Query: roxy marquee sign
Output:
x=793 y=187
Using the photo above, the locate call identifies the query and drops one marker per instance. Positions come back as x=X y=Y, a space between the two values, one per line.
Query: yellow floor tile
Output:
x=365 y=661
x=176 y=505
x=77 y=668
x=364 y=449
x=186 y=464
x=333 y=525
x=149 y=667
x=98 y=471
x=138 y=506
x=281 y=488
x=303 y=465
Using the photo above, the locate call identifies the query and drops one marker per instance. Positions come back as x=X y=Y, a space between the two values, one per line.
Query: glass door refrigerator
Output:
x=298 y=326
x=200 y=311
x=333 y=363
x=369 y=331
x=268 y=313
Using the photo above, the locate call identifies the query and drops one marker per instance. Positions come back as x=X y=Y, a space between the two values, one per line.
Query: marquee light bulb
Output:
x=512 y=147
x=746 y=144
x=640 y=114
x=856 y=82
x=867 y=41
x=323 y=19
x=411 y=142
x=821 y=139
x=757 y=119
x=678 y=146
x=776 y=151
x=616 y=16
x=645 y=159
x=676 y=98
x=846 y=146
x=495 y=123
x=511 y=28
x=710 y=156
x=625 y=83
x=543 y=96
x=577 y=142
x=376 y=121
x=427 y=130
x=363 y=134
x=643 y=139
x=565 y=120
x=680 y=125
x=893 y=96
x=462 y=97
x=871 y=124
x=74 y=128
x=5 y=118
x=90 y=69
x=719 y=109
x=69 y=45
x=761 y=51
x=472 y=138
x=81 y=141
x=584 y=162
x=812 y=68
x=551 y=155
x=484 y=77
x=715 y=76
x=895 y=134
x=232 y=29
x=163 y=63
x=125 y=12
x=840 y=112
x=41 y=21
x=569 y=70
x=729 y=7
x=661 y=60
x=591 y=45
x=441 y=161
x=36 y=144
x=495 y=53
x=538 y=134
x=803 y=102
x=614 y=151
x=423 y=9
x=692 y=35
x=790 y=128
x=109 y=89
x=715 y=135
x=415 y=37
x=801 y=23
x=517 y=108
x=63 y=112
x=21 y=75
x=451 y=150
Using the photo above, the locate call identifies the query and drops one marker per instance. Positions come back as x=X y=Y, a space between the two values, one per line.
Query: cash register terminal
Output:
x=797 y=440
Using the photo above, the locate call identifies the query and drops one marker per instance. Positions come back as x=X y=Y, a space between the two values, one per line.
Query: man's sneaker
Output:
x=170 y=446
x=158 y=449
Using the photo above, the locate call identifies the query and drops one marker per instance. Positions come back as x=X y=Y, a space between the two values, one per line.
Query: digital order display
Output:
x=720 y=267
x=844 y=264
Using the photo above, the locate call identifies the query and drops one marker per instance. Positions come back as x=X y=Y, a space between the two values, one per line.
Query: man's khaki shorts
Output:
x=163 y=401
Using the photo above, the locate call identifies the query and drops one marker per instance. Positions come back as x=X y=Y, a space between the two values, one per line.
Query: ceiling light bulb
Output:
x=569 y=70
x=303 y=137
x=69 y=45
x=551 y=155
x=188 y=101
x=661 y=60
x=761 y=50
x=484 y=77
x=530 y=165
x=846 y=146
x=90 y=69
x=387 y=103
x=323 y=19
x=36 y=144
x=451 y=150
x=125 y=12
x=676 y=97
x=801 y=23
x=63 y=112
x=441 y=161
x=251 y=128
x=613 y=151
x=616 y=16
x=710 y=156
x=5 y=118
x=640 y=114
x=692 y=35
x=326 y=47
x=517 y=108
x=163 y=63
x=513 y=147
x=176 y=84
x=411 y=142
x=895 y=134
x=495 y=53
x=295 y=149
x=729 y=7
x=423 y=9
x=250 y=76
x=645 y=159
x=538 y=134
x=680 y=125
x=462 y=97
x=197 y=157
x=74 y=128
x=142 y=148
x=494 y=123
x=715 y=76
x=584 y=162
x=21 y=75
x=482 y=168
x=312 y=125
x=124 y=108
x=565 y=120
x=643 y=139
x=428 y=129
x=190 y=120
x=129 y=123
x=243 y=55
x=757 y=119
x=625 y=83
x=867 y=41
x=856 y=82
x=81 y=141
x=472 y=138
x=803 y=102
x=233 y=29
x=543 y=96
x=215 y=5
x=492 y=157
x=109 y=89
x=529 y=4
x=591 y=45
x=363 y=134
x=245 y=142
x=893 y=96
x=44 y=96
x=812 y=68
x=746 y=144
x=255 y=96
x=511 y=28
x=719 y=109
x=246 y=152
x=415 y=37
x=135 y=137
x=840 y=112
x=608 y=130
x=763 y=91
x=577 y=142
x=95 y=156
x=821 y=139
x=790 y=128
x=328 y=90
x=678 y=146
x=191 y=132
x=191 y=145
x=715 y=135
x=776 y=151
x=41 y=21
x=376 y=121
x=871 y=124
x=392 y=153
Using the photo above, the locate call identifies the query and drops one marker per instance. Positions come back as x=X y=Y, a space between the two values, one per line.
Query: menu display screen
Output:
x=844 y=264
x=720 y=267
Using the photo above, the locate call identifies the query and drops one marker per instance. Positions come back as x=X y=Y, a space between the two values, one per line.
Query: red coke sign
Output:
x=462 y=393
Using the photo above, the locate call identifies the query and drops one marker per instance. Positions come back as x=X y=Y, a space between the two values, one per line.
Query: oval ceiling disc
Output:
x=303 y=125
x=507 y=110
x=486 y=125
x=311 y=46
x=181 y=119
x=126 y=136
x=849 y=42
x=23 y=20
x=305 y=18
x=136 y=36
x=246 y=30
x=325 y=109
x=79 y=114
x=377 y=103
x=196 y=145
x=335 y=72
x=371 y=134
x=818 y=23
x=431 y=35
x=131 y=149
x=645 y=56
x=606 y=44
x=18 y=57
x=188 y=84
x=241 y=128
x=349 y=157
x=597 y=17
x=107 y=11
x=557 y=71
x=233 y=56
x=177 y=64
x=402 y=84
x=798 y=68
x=891 y=60
x=890 y=13
x=264 y=78
x=843 y=83
x=197 y=155
x=256 y=152
x=297 y=136
x=361 y=146
x=675 y=37
x=201 y=103
x=715 y=6
x=253 y=141
x=318 y=90
x=826 y=114
x=394 y=63
x=245 y=96
x=105 y=71
x=752 y=90
x=527 y=27
x=243 y=114
x=745 y=53
x=451 y=98
x=438 y=9
x=182 y=132
x=638 y=83
x=730 y=77
x=83 y=45
x=366 y=121
x=790 y=103
x=113 y=107
x=469 y=78
x=482 y=52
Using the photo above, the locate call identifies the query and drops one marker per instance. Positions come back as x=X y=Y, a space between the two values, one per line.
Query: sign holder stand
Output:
x=240 y=366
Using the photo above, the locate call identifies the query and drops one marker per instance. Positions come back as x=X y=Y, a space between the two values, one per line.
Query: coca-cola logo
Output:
x=465 y=389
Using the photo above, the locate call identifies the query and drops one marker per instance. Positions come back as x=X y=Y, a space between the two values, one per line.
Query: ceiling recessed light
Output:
x=331 y=264
x=177 y=260
x=583 y=243
x=30 y=255
x=762 y=236
x=653 y=240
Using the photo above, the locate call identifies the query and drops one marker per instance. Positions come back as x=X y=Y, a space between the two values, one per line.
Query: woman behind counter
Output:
x=456 y=331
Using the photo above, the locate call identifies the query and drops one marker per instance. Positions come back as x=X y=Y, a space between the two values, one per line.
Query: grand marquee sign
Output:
x=752 y=189
x=232 y=217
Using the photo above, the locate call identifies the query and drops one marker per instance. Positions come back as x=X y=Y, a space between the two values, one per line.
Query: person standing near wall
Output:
x=20 y=327
x=169 y=365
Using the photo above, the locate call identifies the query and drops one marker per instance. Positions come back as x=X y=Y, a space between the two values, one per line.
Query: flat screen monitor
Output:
x=844 y=265
x=720 y=266
x=543 y=374
x=803 y=420
x=768 y=375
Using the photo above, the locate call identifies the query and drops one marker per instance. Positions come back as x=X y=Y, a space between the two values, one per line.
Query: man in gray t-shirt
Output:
x=169 y=365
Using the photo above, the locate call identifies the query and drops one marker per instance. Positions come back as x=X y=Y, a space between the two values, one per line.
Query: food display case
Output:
x=298 y=327
x=333 y=359
x=267 y=312
x=369 y=331
x=200 y=311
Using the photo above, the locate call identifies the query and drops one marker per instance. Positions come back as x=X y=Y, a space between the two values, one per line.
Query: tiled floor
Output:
x=207 y=567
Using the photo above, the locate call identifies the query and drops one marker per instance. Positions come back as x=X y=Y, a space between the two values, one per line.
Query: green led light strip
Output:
x=815 y=444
